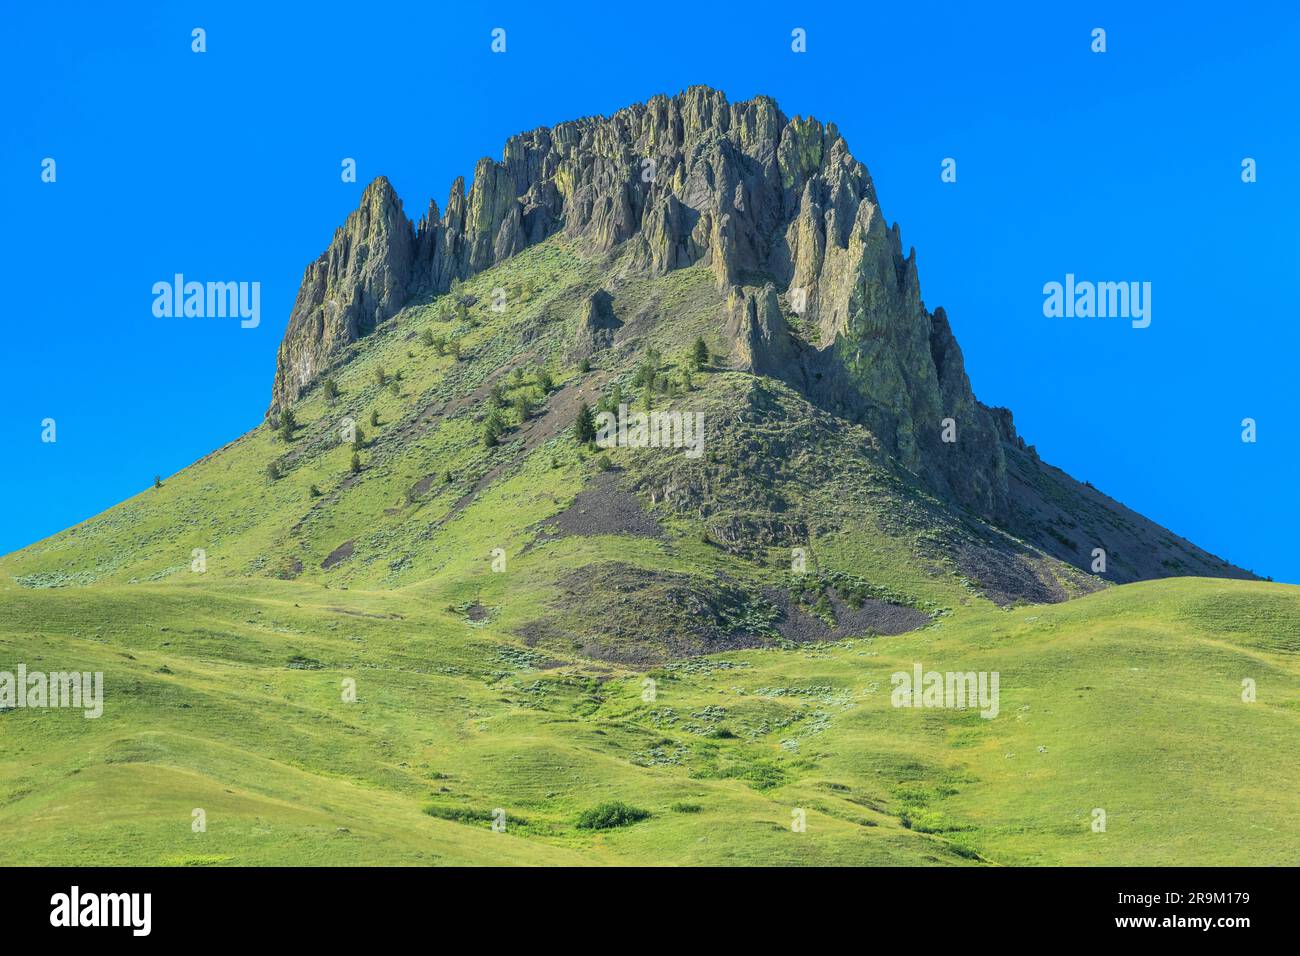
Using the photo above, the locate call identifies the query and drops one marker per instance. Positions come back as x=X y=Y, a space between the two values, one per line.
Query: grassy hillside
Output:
x=226 y=697
x=500 y=608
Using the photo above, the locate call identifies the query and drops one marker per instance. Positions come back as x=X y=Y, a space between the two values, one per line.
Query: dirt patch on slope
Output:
x=601 y=508
x=341 y=553
x=621 y=613
x=871 y=617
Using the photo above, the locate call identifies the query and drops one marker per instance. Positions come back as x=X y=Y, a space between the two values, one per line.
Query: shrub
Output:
x=356 y=463
x=607 y=816
x=686 y=808
x=273 y=471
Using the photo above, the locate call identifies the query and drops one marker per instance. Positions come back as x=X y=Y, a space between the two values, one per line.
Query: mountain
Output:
x=812 y=289
x=706 y=629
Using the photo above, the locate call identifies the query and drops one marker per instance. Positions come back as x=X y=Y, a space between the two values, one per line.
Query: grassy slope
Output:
x=1133 y=692
x=224 y=687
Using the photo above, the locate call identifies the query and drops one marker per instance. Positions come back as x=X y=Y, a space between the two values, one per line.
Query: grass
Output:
x=1128 y=700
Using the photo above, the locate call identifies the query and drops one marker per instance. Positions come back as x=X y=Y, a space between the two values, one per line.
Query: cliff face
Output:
x=818 y=290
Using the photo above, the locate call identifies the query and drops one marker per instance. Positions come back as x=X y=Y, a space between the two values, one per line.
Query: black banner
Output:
x=963 y=907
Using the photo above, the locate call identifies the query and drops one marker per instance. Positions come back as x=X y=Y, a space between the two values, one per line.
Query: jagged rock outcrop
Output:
x=777 y=208
x=361 y=279
x=597 y=325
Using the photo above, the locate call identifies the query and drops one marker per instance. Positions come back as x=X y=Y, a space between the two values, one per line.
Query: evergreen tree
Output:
x=584 y=426
x=356 y=463
x=493 y=427
x=700 y=354
x=331 y=390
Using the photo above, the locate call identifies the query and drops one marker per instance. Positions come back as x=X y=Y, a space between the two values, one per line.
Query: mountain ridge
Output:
x=814 y=288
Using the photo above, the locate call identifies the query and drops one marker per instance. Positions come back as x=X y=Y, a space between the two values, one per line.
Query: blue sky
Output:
x=1117 y=166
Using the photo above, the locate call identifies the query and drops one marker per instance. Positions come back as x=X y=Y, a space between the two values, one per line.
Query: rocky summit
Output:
x=810 y=287
x=779 y=210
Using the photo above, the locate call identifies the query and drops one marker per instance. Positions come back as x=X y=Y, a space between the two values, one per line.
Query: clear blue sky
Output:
x=225 y=165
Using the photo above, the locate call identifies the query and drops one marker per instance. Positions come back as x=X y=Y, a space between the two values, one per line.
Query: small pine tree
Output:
x=584 y=426
x=440 y=345
x=497 y=395
x=493 y=427
x=584 y=366
x=700 y=354
x=157 y=481
x=358 y=439
x=356 y=463
x=331 y=389
x=314 y=492
x=381 y=377
x=395 y=387
x=454 y=348
x=687 y=384
x=523 y=408
x=544 y=381
x=273 y=471
x=426 y=337
x=374 y=418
